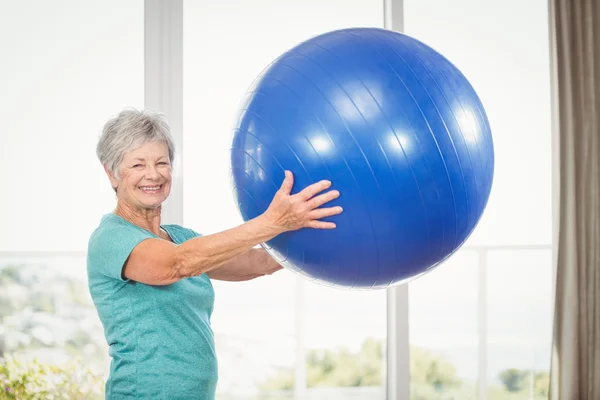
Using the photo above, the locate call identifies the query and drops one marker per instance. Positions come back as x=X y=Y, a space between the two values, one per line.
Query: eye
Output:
x=163 y=163
x=137 y=166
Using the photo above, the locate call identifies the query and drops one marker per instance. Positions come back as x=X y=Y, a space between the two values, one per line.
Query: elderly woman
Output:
x=151 y=283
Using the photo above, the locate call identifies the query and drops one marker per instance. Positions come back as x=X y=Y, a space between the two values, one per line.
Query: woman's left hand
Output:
x=269 y=265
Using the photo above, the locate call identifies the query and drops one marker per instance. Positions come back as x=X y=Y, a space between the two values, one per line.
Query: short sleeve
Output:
x=109 y=248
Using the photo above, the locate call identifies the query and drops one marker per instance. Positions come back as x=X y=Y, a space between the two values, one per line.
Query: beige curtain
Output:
x=575 y=30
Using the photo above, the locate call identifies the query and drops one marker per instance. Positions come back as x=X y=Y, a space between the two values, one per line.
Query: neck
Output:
x=148 y=219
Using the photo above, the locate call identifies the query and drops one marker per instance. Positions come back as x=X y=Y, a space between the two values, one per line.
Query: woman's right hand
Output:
x=292 y=212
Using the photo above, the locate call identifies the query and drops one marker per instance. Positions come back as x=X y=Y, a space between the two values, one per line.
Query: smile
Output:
x=150 y=189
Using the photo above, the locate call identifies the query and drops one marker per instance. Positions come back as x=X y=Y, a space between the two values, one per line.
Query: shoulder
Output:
x=110 y=245
x=110 y=223
x=113 y=230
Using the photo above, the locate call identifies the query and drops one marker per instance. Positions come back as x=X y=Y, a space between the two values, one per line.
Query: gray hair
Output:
x=129 y=130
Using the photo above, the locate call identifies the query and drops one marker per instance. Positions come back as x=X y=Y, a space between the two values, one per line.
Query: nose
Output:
x=152 y=173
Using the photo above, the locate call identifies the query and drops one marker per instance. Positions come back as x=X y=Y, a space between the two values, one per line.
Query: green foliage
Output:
x=541 y=384
x=514 y=380
x=432 y=375
x=25 y=380
x=335 y=369
x=431 y=370
x=9 y=274
x=518 y=382
x=284 y=380
x=34 y=301
x=59 y=298
x=344 y=369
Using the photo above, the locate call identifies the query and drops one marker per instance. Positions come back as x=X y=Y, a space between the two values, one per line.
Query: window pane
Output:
x=444 y=330
x=519 y=323
x=67 y=66
x=254 y=326
x=510 y=70
x=46 y=314
x=344 y=338
x=226 y=45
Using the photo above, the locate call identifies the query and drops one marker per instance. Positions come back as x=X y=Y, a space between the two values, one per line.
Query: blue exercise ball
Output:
x=396 y=128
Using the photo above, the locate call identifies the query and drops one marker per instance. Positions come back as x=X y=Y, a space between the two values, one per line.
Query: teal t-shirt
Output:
x=160 y=338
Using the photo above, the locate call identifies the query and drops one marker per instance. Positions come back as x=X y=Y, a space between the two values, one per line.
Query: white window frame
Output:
x=398 y=343
x=163 y=85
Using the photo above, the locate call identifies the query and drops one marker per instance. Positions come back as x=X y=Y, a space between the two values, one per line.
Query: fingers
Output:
x=317 y=214
x=323 y=198
x=321 y=225
x=303 y=209
x=313 y=189
x=288 y=182
x=325 y=212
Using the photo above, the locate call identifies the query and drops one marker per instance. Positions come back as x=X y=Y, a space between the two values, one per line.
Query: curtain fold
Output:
x=575 y=32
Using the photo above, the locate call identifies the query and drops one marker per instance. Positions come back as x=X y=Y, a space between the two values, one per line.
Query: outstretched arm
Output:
x=160 y=262
x=253 y=264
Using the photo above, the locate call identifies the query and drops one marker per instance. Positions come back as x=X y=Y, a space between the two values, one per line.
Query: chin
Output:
x=151 y=203
x=155 y=204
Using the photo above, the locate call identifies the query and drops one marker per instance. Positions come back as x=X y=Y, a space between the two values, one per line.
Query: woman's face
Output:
x=145 y=178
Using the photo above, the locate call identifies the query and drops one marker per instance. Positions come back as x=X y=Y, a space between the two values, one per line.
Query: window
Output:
x=274 y=332
x=510 y=70
x=67 y=66
x=74 y=65
x=505 y=268
x=479 y=323
x=47 y=317
x=444 y=329
x=519 y=305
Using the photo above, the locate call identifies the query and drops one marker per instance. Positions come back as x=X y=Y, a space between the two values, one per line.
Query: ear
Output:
x=114 y=182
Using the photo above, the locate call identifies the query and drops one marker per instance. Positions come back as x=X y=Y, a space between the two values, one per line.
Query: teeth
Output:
x=150 y=187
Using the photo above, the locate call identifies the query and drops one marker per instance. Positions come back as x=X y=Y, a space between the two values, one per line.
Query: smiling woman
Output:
x=145 y=172
x=151 y=283
x=146 y=175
